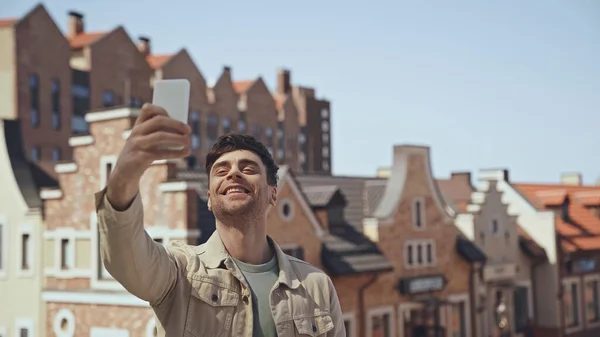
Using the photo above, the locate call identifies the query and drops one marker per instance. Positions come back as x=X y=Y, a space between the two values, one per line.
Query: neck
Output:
x=246 y=243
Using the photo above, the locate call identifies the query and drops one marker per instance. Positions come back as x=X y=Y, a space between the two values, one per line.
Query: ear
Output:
x=209 y=206
x=273 y=200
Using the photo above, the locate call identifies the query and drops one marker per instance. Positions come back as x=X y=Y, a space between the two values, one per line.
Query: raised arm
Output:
x=145 y=268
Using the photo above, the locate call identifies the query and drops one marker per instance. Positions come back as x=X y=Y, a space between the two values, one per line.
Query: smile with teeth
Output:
x=235 y=190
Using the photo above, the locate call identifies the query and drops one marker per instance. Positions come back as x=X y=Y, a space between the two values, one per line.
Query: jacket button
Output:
x=245 y=299
x=214 y=297
x=314 y=328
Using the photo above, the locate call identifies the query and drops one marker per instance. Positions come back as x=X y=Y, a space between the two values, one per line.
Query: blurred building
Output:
x=51 y=79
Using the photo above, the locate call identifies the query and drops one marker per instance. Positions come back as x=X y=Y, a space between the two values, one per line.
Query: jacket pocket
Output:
x=211 y=309
x=314 y=326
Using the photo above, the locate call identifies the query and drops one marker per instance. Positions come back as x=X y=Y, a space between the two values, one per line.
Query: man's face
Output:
x=238 y=187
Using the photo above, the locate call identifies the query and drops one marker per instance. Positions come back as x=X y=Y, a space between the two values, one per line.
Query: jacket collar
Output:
x=215 y=255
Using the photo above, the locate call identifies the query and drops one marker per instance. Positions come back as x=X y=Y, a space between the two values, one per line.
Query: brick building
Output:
x=81 y=298
x=36 y=84
x=412 y=224
x=54 y=78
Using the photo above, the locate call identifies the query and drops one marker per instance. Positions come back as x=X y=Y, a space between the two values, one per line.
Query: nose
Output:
x=234 y=173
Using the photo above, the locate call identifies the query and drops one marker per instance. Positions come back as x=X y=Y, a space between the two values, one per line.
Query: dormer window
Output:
x=418 y=212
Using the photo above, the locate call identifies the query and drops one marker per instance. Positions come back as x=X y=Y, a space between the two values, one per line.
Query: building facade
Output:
x=35 y=85
x=504 y=290
x=53 y=79
x=21 y=236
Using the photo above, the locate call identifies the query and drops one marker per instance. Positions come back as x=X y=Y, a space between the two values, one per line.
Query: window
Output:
x=592 y=299
x=25 y=251
x=35 y=154
x=56 y=154
x=418 y=212
x=213 y=132
x=419 y=253
x=65 y=254
x=108 y=98
x=494 y=226
x=64 y=323
x=242 y=126
x=55 y=89
x=324 y=113
x=325 y=151
x=380 y=322
x=571 y=303
x=286 y=209
x=296 y=251
x=521 y=308
x=301 y=138
x=195 y=124
x=34 y=100
x=325 y=138
x=226 y=125
x=458 y=324
x=324 y=126
x=24 y=327
x=325 y=165
x=107 y=164
x=349 y=324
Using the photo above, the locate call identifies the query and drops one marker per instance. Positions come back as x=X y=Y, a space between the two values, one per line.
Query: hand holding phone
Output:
x=174 y=97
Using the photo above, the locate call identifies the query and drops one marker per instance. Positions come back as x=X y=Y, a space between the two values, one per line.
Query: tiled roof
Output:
x=84 y=39
x=157 y=61
x=351 y=187
x=346 y=252
x=8 y=22
x=29 y=177
x=319 y=196
x=577 y=226
x=241 y=86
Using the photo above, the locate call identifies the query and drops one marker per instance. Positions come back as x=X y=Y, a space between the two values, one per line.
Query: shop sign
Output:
x=422 y=284
x=500 y=271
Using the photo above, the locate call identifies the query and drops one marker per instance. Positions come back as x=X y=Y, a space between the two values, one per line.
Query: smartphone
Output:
x=173 y=96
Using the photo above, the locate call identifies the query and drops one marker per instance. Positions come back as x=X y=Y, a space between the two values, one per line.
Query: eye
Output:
x=221 y=171
x=249 y=170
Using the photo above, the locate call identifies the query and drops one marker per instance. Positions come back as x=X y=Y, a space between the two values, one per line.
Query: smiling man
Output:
x=239 y=283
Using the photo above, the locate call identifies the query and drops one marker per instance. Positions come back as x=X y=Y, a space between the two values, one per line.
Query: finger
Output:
x=163 y=123
x=159 y=139
x=148 y=111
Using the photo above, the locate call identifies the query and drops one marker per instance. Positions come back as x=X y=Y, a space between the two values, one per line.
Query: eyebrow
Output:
x=242 y=162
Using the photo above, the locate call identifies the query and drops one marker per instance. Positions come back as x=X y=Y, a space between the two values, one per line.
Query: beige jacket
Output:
x=198 y=291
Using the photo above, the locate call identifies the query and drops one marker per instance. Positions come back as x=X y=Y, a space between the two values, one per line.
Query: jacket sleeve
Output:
x=339 y=328
x=144 y=267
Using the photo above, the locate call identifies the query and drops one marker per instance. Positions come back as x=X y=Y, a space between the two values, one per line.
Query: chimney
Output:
x=144 y=45
x=463 y=177
x=284 y=81
x=384 y=172
x=226 y=69
x=571 y=179
x=76 y=25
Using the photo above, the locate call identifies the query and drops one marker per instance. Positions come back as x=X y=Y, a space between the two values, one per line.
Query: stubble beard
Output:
x=238 y=216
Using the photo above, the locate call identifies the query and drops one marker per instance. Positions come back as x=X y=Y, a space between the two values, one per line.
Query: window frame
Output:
x=586 y=279
x=104 y=161
x=414 y=247
x=413 y=212
x=351 y=319
x=566 y=283
x=26 y=273
x=380 y=311
x=24 y=323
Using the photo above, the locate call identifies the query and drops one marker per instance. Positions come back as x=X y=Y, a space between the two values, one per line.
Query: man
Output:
x=239 y=283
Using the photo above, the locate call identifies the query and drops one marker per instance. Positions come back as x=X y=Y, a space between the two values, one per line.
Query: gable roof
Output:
x=29 y=177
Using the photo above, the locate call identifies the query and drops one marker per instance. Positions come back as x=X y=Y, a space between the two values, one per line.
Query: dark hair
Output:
x=237 y=141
